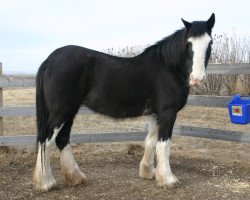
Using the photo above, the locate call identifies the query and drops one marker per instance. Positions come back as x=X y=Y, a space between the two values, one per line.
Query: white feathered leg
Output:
x=70 y=170
x=164 y=175
x=43 y=178
x=147 y=168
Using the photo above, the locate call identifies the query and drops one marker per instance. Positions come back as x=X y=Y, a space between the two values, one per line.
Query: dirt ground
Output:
x=207 y=169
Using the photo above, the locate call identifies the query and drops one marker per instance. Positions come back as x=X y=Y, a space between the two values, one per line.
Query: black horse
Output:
x=156 y=81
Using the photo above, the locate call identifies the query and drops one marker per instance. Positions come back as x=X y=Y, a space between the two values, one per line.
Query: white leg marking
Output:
x=43 y=178
x=53 y=138
x=199 y=47
x=164 y=176
x=70 y=170
x=147 y=168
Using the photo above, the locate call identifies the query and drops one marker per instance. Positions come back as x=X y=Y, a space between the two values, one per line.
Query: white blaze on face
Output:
x=199 y=47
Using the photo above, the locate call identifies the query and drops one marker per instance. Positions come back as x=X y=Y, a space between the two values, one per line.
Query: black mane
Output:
x=170 y=49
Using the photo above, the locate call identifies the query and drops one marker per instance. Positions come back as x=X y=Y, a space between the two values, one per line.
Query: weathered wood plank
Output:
x=210 y=133
x=1 y=101
x=237 y=68
x=193 y=100
x=10 y=82
x=136 y=136
x=208 y=101
x=31 y=111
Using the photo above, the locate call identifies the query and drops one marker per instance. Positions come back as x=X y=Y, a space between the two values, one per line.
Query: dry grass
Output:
x=224 y=85
x=230 y=48
x=190 y=116
x=19 y=97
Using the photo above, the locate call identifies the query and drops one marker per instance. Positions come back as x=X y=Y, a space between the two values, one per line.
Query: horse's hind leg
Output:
x=147 y=168
x=70 y=170
x=43 y=178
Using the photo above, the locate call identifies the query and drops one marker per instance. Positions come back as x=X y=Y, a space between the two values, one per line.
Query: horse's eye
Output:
x=189 y=44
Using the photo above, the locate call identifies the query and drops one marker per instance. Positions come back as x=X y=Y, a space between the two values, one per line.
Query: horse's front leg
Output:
x=164 y=175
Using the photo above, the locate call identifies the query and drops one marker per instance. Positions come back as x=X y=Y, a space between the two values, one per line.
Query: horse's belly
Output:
x=114 y=108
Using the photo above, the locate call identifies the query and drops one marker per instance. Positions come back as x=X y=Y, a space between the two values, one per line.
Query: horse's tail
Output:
x=42 y=112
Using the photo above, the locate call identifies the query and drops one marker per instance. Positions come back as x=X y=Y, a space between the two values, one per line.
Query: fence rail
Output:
x=193 y=100
x=210 y=101
x=134 y=136
x=239 y=68
x=12 y=81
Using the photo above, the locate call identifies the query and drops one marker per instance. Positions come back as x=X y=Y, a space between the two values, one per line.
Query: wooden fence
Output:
x=211 y=101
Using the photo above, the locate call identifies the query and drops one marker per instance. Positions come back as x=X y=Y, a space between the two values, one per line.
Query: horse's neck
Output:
x=183 y=72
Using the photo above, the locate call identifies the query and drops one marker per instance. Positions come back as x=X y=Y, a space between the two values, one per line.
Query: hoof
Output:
x=42 y=184
x=167 y=181
x=146 y=172
x=75 y=177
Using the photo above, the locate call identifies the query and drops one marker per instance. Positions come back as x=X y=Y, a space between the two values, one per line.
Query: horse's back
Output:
x=110 y=85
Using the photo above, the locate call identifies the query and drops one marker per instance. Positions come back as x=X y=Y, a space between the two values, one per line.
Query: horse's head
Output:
x=198 y=44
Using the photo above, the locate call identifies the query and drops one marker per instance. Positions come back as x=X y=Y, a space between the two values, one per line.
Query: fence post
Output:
x=2 y=149
x=1 y=101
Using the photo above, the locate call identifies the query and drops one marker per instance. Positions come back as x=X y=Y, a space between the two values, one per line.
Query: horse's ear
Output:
x=186 y=24
x=211 y=21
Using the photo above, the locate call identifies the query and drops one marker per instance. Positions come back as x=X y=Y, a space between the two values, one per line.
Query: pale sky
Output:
x=31 y=29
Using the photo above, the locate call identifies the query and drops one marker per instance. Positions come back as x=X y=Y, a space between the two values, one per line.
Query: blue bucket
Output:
x=239 y=109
